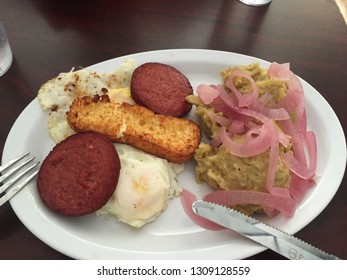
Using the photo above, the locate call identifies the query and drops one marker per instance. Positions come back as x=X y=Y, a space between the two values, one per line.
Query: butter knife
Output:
x=270 y=237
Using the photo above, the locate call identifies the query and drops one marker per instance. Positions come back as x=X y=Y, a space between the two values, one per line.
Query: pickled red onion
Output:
x=249 y=148
x=187 y=199
x=272 y=113
x=236 y=127
x=293 y=102
x=311 y=145
x=206 y=93
x=244 y=99
x=298 y=187
x=279 y=70
x=285 y=205
x=272 y=167
x=223 y=121
x=296 y=167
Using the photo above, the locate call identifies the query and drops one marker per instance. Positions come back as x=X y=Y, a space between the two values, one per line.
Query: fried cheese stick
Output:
x=171 y=138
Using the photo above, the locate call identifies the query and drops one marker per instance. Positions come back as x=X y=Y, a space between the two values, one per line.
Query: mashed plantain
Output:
x=265 y=83
x=222 y=170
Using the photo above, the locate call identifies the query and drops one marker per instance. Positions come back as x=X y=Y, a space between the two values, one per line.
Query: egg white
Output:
x=56 y=95
x=146 y=184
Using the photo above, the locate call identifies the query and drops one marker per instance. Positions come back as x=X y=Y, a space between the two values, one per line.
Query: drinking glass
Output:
x=255 y=2
x=6 y=56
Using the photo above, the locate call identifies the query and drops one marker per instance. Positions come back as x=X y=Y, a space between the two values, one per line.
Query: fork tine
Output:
x=15 y=178
x=8 y=164
x=13 y=170
x=16 y=188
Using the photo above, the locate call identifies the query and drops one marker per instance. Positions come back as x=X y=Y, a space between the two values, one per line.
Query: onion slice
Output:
x=248 y=148
x=296 y=167
x=285 y=205
x=311 y=144
x=187 y=199
x=272 y=113
x=207 y=93
x=223 y=121
x=244 y=99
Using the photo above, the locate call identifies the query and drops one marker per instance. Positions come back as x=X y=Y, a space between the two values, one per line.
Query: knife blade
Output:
x=268 y=236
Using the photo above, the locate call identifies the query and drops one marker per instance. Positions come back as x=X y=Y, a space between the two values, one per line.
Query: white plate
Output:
x=172 y=235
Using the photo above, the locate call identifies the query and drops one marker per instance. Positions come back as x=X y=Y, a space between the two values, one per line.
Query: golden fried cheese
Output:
x=167 y=137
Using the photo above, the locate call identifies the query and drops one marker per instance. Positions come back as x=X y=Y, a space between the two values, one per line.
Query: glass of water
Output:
x=5 y=51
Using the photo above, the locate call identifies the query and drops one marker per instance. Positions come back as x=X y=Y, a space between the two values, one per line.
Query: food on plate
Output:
x=167 y=137
x=223 y=170
x=56 y=95
x=103 y=103
x=261 y=158
x=79 y=175
x=145 y=185
x=161 y=88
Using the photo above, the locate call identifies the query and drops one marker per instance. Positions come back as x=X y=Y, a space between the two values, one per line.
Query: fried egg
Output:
x=56 y=95
x=145 y=186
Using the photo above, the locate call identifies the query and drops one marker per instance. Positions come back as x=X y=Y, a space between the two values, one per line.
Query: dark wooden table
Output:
x=49 y=37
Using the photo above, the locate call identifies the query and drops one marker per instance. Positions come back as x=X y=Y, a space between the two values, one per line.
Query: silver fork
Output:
x=11 y=184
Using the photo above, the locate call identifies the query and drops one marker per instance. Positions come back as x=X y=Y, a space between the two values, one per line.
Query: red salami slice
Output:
x=161 y=88
x=79 y=175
